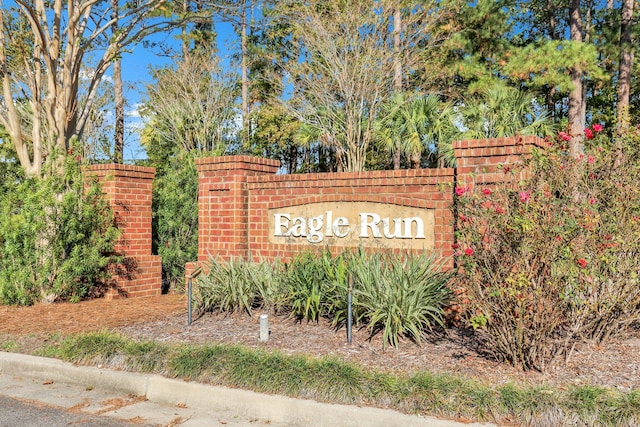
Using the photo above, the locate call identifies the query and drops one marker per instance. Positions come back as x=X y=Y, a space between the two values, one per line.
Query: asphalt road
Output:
x=18 y=413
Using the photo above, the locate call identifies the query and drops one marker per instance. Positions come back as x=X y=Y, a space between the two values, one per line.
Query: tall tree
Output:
x=60 y=35
x=244 y=69
x=239 y=14
x=342 y=73
x=188 y=107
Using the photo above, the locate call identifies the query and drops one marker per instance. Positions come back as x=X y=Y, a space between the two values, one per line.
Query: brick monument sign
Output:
x=247 y=210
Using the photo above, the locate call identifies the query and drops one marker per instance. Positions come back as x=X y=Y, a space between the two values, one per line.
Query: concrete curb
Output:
x=277 y=409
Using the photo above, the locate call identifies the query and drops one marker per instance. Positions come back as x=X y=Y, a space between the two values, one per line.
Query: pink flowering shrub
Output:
x=555 y=258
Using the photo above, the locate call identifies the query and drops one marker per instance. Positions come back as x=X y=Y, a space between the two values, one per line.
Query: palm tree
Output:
x=410 y=125
x=502 y=111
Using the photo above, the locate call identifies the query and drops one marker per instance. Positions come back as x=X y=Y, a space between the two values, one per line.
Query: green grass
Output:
x=9 y=345
x=333 y=380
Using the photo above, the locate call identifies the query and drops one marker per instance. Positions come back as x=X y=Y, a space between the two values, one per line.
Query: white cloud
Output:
x=88 y=74
x=134 y=111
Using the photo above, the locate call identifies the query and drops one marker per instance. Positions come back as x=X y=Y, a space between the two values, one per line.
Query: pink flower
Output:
x=486 y=191
x=524 y=196
x=591 y=159
x=468 y=251
x=564 y=136
x=588 y=133
x=597 y=127
x=592 y=201
x=582 y=263
x=460 y=191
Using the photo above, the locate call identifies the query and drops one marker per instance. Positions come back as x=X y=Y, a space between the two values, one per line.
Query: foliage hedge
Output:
x=553 y=259
x=56 y=237
x=175 y=218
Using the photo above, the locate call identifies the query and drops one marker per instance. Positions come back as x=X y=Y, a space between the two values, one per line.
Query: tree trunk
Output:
x=397 y=74
x=183 y=30
x=397 y=49
x=576 y=117
x=245 y=76
x=550 y=9
x=118 y=145
x=118 y=148
x=625 y=66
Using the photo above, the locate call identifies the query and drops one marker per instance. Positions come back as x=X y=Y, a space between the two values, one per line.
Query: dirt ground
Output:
x=164 y=318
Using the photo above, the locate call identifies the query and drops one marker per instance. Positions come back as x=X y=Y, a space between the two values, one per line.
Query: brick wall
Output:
x=236 y=194
x=129 y=190
x=489 y=161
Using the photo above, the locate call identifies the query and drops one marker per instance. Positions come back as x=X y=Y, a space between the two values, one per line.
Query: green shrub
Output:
x=553 y=259
x=337 y=271
x=400 y=295
x=307 y=286
x=238 y=285
x=56 y=238
x=175 y=218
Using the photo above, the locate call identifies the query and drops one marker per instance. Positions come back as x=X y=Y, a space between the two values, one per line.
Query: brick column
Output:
x=487 y=161
x=223 y=206
x=129 y=190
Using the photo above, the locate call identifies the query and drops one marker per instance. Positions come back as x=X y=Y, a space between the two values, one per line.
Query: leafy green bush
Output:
x=400 y=295
x=307 y=285
x=553 y=259
x=238 y=285
x=175 y=217
x=56 y=238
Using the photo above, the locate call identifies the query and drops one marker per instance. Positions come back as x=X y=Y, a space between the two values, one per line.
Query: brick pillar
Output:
x=223 y=204
x=129 y=190
x=487 y=161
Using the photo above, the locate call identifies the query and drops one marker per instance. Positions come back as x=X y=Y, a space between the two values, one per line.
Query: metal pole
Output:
x=189 y=303
x=349 y=309
x=192 y=276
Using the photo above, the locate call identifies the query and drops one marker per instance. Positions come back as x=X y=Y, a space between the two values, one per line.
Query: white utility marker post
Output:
x=264 y=328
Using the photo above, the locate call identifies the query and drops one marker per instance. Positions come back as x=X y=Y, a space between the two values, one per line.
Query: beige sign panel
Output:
x=353 y=224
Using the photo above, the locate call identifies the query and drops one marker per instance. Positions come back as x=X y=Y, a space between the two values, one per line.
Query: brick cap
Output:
x=120 y=170
x=499 y=142
x=238 y=163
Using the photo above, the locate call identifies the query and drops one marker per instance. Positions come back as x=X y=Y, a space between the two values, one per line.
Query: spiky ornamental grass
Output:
x=397 y=295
